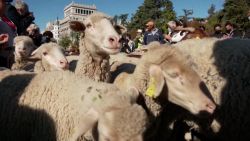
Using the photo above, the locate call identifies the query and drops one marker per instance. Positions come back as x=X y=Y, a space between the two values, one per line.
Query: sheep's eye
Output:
x=45 y=53
x=88 y=25
x=173 y=75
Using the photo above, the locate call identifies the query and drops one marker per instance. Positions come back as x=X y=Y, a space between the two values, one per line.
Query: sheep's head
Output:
x=23 y=46
x=119 y=117
x=100 y=31
x=168 y=70
x=52 y=55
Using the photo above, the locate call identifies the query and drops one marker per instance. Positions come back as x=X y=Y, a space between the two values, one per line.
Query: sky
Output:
x=49 y=10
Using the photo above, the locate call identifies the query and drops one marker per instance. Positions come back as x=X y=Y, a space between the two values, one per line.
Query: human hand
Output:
x=4 y=38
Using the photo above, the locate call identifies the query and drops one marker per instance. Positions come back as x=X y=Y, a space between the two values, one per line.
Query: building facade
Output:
x=72 y=12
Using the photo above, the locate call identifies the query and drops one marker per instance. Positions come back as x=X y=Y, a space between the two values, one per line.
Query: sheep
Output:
x=47 y=57
x=163 y=75
x=23 y=48
x=224 y=67
x=98 y=40
x=46 y=106
x=51 y=57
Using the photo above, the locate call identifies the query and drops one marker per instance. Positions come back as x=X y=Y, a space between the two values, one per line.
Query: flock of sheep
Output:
x=198 y=89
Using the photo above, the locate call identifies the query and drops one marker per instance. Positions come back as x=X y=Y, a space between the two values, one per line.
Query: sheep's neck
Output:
x=140 y=79
x=91 y=64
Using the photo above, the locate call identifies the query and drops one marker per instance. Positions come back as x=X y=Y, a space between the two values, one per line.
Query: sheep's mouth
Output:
x=112 y=49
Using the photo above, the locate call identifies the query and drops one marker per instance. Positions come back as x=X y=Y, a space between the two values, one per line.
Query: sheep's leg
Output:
x=86 y=122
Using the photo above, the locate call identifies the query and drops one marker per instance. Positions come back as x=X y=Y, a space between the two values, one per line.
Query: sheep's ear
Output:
x=134 y=93
x=77 y=26
x=135 y=54
x=120 y=29
x=156 y=81
x=35 y=55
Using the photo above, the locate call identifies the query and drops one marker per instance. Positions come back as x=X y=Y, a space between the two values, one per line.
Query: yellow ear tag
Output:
x=151 y=88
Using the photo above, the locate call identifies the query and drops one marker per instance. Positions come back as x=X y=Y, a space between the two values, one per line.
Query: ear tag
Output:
x=151 y=90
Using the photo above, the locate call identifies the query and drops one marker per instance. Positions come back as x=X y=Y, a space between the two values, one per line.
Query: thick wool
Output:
x=224 y=66
x=47 y=106
x=96 y=67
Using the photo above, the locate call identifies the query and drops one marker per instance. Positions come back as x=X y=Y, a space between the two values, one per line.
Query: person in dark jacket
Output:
x=217 y=31
x=152 y=34
x=21 y=22
x=231 y=31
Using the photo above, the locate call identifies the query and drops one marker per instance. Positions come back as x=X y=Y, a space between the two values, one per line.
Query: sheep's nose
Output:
x=64 y=64
x=113 y=40
x=210 y=107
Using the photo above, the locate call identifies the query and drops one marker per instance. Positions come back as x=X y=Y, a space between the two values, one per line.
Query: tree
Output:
x=211 y=10
x=235 y=11
x=187 y=13
x=123 y=18
x=75 y=37
x=65 y=42
x=159 y=10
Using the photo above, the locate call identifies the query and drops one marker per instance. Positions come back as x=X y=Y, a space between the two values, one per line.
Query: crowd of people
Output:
x=16 y=20
x=177 y=31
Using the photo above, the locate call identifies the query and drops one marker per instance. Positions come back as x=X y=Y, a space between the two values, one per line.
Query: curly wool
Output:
x=97 y=68
x=224 y=66
x=47 y=106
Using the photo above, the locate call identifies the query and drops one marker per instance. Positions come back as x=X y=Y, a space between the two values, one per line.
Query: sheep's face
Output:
x=99 y=31
x=103 y=35
x=23 y=46
x=184 y=87
x=52 y=54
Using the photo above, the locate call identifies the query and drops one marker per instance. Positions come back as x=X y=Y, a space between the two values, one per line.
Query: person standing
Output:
x=231 y=31
x=217 y=31
x=21 y=22
x=152 y=34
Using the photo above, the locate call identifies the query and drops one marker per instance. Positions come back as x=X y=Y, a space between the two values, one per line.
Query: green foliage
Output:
x=65 y=42
x=211 y=10
x=75 y=37
x=159 y=10
x=234 y=11
x=123 y=18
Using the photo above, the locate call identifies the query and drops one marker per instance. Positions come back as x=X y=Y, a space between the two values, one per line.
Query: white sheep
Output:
x=47 y=57
x=46 y=106
x=98 y=40
x=224 y=66
x=51 y=57
x=23 y=48
x=164 y=75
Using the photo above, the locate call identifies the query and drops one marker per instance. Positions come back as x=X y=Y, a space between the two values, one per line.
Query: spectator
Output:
x=202 y=27
x=217 y=31
x=247 y=33
x=7 y=34
x=131 y=43
x=33 y=32
x=152 y=34
x=21 y=21
x=48 y=37
x=176 y=31
x=138 y=39
x=231 y=31
x=124 y=42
